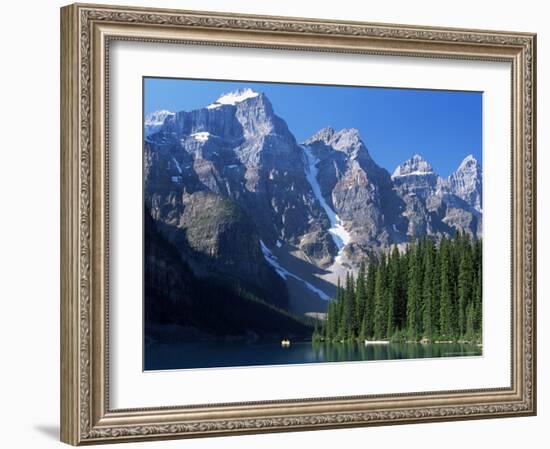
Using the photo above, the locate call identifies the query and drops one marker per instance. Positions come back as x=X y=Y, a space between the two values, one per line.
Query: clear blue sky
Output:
x=442 y=126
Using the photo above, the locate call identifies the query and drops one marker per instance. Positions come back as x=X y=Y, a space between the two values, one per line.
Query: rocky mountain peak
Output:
x=251 y=109
x=323 y=135
x=238 y=154
x=416 y=165
x=154 y=121
x=469 y=164
x=465 y=182
x=416 y=176
x=257 y=117
x=234 y=117
x=346 y=140
x=157 y=117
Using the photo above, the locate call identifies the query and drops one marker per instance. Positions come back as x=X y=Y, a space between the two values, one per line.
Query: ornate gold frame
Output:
x=86 y=31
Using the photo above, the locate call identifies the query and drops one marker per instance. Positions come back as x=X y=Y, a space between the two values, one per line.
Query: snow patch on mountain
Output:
x=412 y=173
x=232 y=98
x=178 y=166
x=272 y=260
x=339 y=235
x=201 y=136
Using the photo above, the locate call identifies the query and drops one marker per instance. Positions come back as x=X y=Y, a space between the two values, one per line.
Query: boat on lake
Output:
x=285 y=343
x=377 y=342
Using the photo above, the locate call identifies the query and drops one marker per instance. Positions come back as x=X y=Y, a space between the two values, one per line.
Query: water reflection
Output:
x=210 y=354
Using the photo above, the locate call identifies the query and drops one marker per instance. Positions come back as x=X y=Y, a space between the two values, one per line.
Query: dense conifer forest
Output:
x=430 y=292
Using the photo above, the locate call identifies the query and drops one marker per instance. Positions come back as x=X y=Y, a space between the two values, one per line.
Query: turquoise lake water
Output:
x=217 y=354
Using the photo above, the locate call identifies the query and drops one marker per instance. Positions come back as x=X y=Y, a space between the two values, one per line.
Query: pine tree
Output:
x=428 y=292
x=414 y=292
x=470 y=320
x=338 y=330
x=401 y=297
x=348 y=321
x=436 y=293
x=380 y=300
x=478 y=303
x=431 y=290
x=356 y=321
x=455 y=247
x=360 y=298
x=369 y=298
x=330 y=330
x=316 y=332
x=465 y=287
x=445 y=310
x=393 y=292
x=362 y=331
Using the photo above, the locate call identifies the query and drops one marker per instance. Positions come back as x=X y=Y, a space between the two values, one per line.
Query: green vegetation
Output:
x=427 y=293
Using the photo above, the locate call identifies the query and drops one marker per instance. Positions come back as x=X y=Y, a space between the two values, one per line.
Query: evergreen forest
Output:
x=431 y=292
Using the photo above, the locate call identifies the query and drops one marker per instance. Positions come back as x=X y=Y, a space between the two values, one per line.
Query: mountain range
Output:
x=240 y=199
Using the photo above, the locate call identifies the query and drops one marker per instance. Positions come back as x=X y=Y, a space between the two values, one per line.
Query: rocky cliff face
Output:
x=154 y=121
x=437 y=206
x=241 y=151
x=466 y=182
x=415 y=176
x=181 y=306
x=221 y=179
x=235 y=154
x=358 y=190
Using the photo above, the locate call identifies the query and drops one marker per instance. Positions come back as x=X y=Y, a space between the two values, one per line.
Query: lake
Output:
x=218 y=354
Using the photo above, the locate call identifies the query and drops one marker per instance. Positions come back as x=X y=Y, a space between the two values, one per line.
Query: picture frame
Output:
x=87 y=33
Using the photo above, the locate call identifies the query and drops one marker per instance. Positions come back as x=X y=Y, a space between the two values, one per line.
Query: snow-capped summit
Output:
x=413 y=166
x=328 y=198
x=155 y=120
x=233 y=98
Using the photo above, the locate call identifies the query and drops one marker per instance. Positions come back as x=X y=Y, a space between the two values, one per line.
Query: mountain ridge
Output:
x=237 y=148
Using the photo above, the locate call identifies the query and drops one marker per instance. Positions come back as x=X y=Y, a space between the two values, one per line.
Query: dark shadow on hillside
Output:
x=303 y=299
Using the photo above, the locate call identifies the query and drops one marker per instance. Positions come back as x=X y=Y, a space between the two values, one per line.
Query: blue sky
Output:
x=442 y=126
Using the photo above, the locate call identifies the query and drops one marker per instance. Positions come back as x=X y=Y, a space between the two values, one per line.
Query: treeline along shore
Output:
x=431 y=292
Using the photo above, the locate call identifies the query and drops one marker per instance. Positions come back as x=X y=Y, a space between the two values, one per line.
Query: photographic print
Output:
x=293 y=223
x=324 y=204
